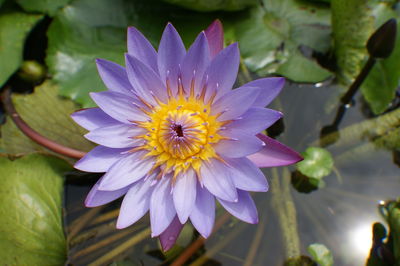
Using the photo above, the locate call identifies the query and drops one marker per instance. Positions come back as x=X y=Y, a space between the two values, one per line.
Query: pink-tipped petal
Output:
x=170 y=235
x=141 y=48
x=126 y=171
x=235 y=103
x=216 y=178
x=255 y=120
x=270 y=88
x=162 y=210
x=118 y=106
x=203 y=213
x=274 y=153
x=145 y=81
x=99 y=159
x=116 y=136
x=241 y=144
x=244 y=209
x=195 y=63
x=246 y=176
x=136 y=203
x=215 y=37
x=171 y=52
x=184 y=194
x=98 y=197
x=114 y=76
x=93 y=118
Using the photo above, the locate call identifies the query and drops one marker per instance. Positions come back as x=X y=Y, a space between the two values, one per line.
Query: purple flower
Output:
x=173 y=136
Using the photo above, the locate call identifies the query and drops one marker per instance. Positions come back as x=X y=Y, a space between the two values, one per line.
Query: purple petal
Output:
x=255 y=120
x=126 y=171
x=246 y=176
x=118 y=106
x=140 y=47
x=195 y=63
x=215 y=177
x=270 y=88
x=145 y=81
x=241 y=144
x=93 y=118
x=162 y=210
x=170 y=235
x=215 y=37
x=244 y=209
x=221 y=74
x=114 y=76
x=203 y=213
x=99 y=159
x=136 y=203
x=98 y=197
x=171 y=52
x=235 y=103
x=274 y=154
x=117 y=136
x=184 y=194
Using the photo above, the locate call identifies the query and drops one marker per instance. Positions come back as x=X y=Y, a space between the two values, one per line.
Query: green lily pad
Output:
x=379 y=89
x=317 y=163
x=49 y=7
x=321 y=254
x=31 y=212
x=270 y=36
x=48 y=114
x=352 y=25
x=86 y=30
x=14 y=27
x=212 y=5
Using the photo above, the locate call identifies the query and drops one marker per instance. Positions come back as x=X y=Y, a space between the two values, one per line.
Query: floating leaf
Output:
x=49 y=7
x=87 y=29
x=320 y=254
x=49 y=115
x=30 y=211
x=352 y=24
x=14 y=27
x=271 y=36
x=317 y=163
x=212 y=5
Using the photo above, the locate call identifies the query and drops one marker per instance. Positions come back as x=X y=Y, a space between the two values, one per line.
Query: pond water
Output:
x=339 y=215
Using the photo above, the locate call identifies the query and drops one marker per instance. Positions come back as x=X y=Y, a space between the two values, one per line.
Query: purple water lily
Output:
x=173 y=136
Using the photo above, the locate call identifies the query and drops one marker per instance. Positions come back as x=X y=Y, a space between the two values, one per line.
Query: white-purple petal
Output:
x=170 y=235
x=98 y=197
x=195 y=63
x=216 y=178
x=136 y=203
x=235 y=103
x=116 y=136
x=184 y=194
x=118 y=106
x=246 y=176
x=255 y=120
x=93 y=118
x=114 y=76
x=239 y=145
x=244 y=209
x=126 y=171
x=203 y=213
x=99 y=159
x=162 y=210
x=141 y=48
x=270 y=88
x=274 y=153
x=215 y=37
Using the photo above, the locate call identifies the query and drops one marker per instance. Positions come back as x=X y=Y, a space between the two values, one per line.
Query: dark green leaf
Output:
x=14 y=27
x=44 y=6
x=86 y=30
x=30 y=211
x=320 y=254
x=317 y=163
x=212 y=5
